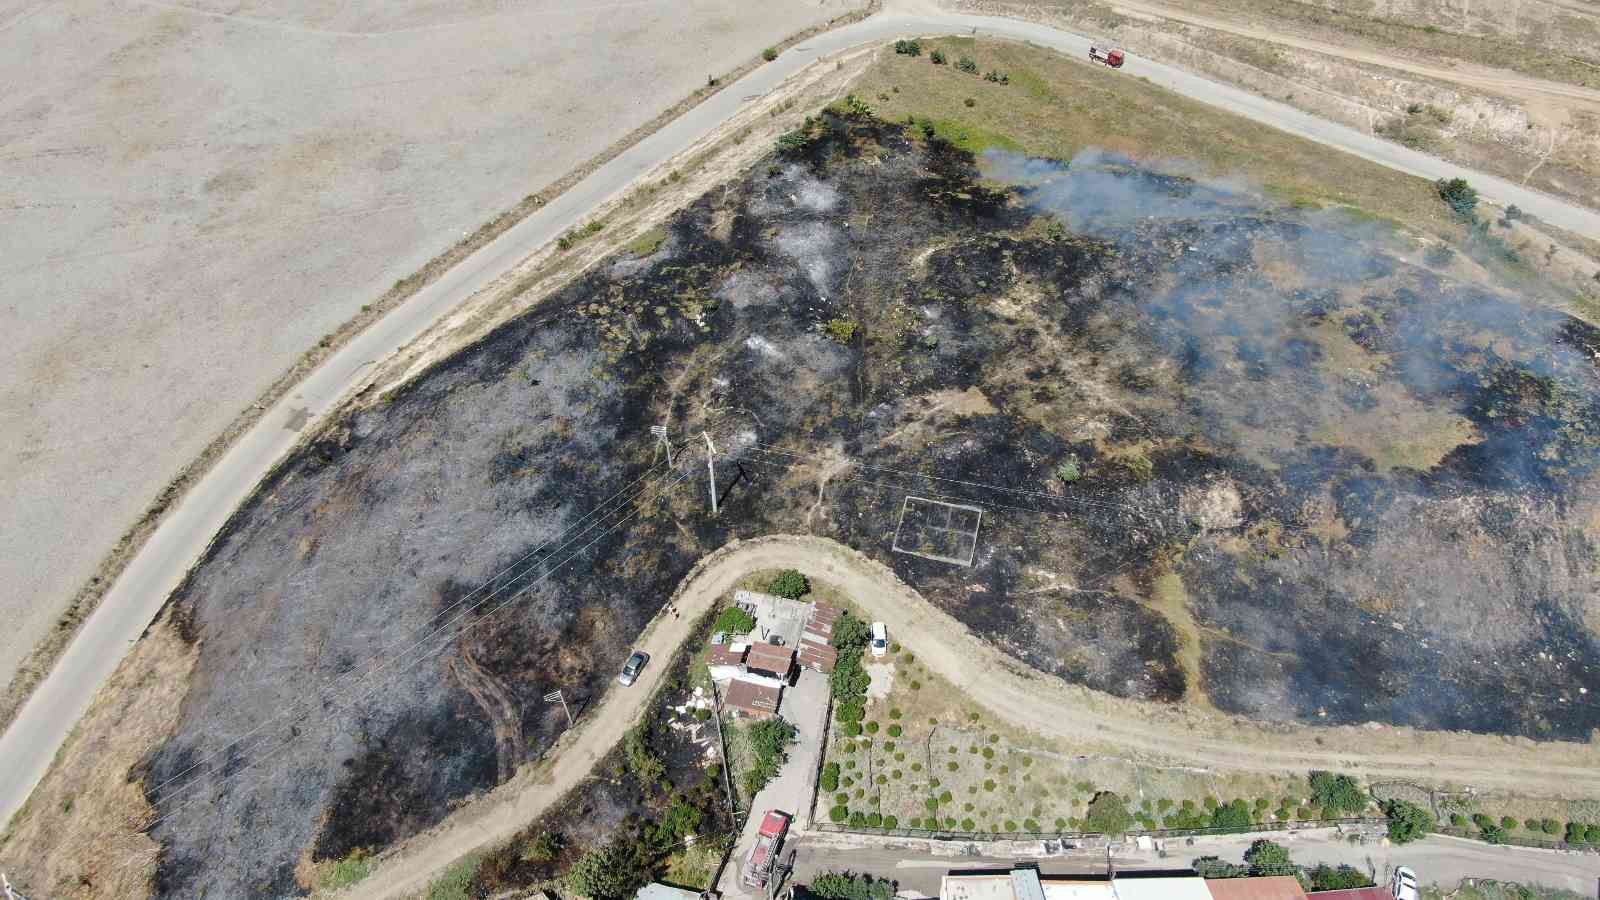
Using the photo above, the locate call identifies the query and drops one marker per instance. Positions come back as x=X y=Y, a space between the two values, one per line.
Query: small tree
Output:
x=791 y=584
x=966 y=64
x=1337 y=794
x=1108 y=814
x=734 y=620
x=1407 y=821
x=1461 y=197
x=912 y=47
x=937 y=57
x=1267 y=858
x=769 y=54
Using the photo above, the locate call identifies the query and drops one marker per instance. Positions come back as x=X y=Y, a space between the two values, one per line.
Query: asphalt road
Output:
x=1436 y=860
x=128 y=608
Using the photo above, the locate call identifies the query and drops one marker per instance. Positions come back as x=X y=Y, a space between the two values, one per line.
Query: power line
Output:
x=257 y=763
x=386 y=656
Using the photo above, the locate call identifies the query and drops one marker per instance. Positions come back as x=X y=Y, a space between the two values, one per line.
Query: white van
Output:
x=880 y=639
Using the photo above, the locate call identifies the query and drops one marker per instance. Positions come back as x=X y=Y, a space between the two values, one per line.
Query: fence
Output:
x=1518 y=841
x=1086 y=836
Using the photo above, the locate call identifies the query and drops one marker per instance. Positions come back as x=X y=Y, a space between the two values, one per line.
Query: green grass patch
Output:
x=456 y=882
x=347 y=871
x=648 y=243
x=974 y=138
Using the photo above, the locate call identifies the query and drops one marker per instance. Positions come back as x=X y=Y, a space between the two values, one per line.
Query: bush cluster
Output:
x=912 y=47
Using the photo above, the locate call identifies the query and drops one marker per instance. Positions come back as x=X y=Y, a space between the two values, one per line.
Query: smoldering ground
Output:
x=1362 y=490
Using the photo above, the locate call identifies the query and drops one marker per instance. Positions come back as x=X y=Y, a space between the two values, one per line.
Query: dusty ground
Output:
x=195 y=194
x=1125 y=335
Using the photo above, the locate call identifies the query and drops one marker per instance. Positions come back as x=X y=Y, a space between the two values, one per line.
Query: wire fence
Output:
x=1092 y=837
x=1515 y=840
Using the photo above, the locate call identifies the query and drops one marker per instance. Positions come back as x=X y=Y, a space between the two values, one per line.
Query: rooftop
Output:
x=770 y=658
x=775 y=616
x=752 y=697
x=1269 y=887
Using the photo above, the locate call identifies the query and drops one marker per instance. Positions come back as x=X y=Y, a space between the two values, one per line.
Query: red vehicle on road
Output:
x=769 y=841
x=1112 y=58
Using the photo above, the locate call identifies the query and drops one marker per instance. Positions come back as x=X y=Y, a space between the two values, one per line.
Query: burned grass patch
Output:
x=1169 y=337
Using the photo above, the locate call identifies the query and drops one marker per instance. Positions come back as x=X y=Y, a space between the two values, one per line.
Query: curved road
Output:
x=30 y=743
x=1028 y=700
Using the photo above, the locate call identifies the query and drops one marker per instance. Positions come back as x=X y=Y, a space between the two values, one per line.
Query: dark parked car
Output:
x=632 y=668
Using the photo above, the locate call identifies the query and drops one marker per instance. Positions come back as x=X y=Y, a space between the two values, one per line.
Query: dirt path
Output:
x=1028 y=699
x=1483 y=78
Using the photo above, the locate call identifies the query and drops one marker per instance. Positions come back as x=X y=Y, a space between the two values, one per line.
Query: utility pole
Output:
x=711 y=466
x=660 y=431
x=556 y=697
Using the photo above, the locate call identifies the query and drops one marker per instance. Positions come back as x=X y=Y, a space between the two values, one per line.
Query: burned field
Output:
x=1225 y=454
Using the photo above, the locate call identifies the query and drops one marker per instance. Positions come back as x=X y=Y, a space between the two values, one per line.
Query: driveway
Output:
x=805 y=706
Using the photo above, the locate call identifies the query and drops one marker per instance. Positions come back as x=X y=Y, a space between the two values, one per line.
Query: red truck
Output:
x=769 y=842
x=1112 y=58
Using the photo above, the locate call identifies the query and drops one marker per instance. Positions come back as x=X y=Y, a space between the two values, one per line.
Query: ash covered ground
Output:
x=1226 y=453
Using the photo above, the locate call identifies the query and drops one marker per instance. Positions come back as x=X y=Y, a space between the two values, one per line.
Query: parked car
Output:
x=1404 y=884
x=880 y=639
x=632 y=668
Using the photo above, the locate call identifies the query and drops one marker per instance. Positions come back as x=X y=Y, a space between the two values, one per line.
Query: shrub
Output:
x=1327 y=878
x=769 y=54
x=1531 y=824
x=1549 y=826
x=734 y=620
x=790 y=584
x=894 y=712
x=852 y=728
x=997 y=77
x=931 y=804
x=1031 y=826
x=1577 y=833
x=953 y=766
x=945 y=797
x=1267 y=858
x=994 y=738
x=1337 y=793
x=891 y=822
x=896 y=774
x=1061 y=824
x=830 y=777
x=874 y=820
x=969 y=102
x=1108 y=814
x=968 y=825
x=857 y=818
x=854 y=107
x=1407 y=821
x=1508 y=823
x=1461 y=197
x=895 y=730
x=1232 y=817
x=841 y=330
x=937 y=57
x=912 y=47
x=988 y=784
x=988 y=753
x=1011 y=827
x=966 y=64
x=1457 y=820
x=872 y=727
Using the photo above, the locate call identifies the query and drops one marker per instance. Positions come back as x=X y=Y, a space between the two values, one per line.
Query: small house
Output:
x=772 y=661
x=752 y=699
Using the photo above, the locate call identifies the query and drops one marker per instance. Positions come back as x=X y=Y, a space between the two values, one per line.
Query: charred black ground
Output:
x=1365 y=490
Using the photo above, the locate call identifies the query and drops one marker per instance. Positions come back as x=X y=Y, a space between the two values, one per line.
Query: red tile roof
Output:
x=1271 y=887
x=821 y=620
x=767 y=657
x=752 y=698
x=725 y=655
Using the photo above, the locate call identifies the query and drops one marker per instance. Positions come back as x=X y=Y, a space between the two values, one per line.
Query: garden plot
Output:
x=925 y=758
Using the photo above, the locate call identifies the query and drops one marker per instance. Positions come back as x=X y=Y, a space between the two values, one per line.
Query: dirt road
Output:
x=1481 y=78
x=1028 y=699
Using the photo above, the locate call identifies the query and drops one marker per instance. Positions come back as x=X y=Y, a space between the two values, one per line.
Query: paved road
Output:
x=128 y=608
x=1441 y=860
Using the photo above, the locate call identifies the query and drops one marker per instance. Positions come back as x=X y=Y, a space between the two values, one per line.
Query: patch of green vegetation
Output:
x=575 y=236
x=972 y=138
x=648 y=243
x=734 y=620
x=790 y=584
x=347 y=871
x=842 y=331
x=456 y=882
x=769 y=740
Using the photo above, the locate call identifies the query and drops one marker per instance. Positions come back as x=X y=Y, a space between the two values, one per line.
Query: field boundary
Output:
x=1096 y=838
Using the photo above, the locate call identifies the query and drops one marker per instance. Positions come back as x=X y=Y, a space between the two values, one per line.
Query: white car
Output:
x=880 y=639
x=1404 y=884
